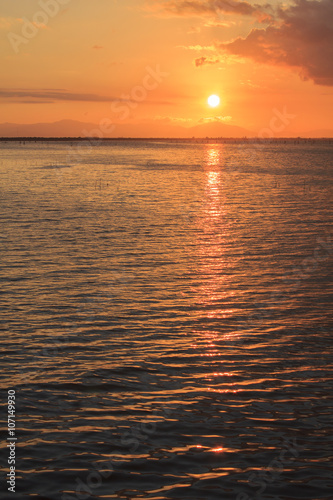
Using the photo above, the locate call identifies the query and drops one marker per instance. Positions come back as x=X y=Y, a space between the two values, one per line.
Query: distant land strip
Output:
x=252 y=140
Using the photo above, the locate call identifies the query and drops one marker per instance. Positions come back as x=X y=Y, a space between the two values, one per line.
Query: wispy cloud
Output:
x=249 y=83
x=50 y=95
x=174 y=120
x=219 y=24
x=7 y=23
x=204 y=60
x=216 y=119
x=198 y=48
x=199 y=8
x=47 y=96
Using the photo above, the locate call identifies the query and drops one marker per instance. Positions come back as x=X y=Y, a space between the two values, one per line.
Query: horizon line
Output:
x=122 y=138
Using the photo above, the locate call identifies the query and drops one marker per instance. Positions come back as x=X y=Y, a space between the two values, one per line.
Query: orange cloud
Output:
x=302 y=38
x=8 y=22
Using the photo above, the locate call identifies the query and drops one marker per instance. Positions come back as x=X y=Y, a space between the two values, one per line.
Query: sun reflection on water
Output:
x=212 y=294
x=213 y=239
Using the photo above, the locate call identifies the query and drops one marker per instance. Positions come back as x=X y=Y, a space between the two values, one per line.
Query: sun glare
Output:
x=213 y=101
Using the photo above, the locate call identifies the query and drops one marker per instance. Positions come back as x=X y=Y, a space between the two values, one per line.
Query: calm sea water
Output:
x=167 y=320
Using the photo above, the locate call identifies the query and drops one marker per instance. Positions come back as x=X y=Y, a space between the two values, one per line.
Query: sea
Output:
x=166 y=319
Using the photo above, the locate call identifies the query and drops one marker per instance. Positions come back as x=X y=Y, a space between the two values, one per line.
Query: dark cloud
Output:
x=301 y=38
x=34 y=96
x=201 y=61
x=50 y=95
x=36 y=101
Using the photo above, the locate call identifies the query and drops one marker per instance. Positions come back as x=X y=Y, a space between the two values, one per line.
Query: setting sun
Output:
x=213 y=101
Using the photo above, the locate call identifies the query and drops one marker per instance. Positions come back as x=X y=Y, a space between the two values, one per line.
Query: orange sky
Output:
x=87 y=60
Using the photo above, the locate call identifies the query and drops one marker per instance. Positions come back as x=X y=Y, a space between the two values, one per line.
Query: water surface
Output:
x=166 y=319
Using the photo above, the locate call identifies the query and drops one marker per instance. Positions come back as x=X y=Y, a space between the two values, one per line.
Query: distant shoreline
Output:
x=169 y=139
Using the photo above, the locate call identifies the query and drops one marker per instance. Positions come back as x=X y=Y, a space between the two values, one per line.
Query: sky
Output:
x=154 y=63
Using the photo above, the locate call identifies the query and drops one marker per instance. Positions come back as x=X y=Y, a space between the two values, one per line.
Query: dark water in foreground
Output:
x=166 y=321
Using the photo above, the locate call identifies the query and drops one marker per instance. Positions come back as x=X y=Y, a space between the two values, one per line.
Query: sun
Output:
x=213 y=101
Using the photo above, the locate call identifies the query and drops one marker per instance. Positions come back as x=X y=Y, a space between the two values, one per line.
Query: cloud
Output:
x=47 y=96
x=215 y=119
x=173 y=119
x=219 y=24
x=301 y=38
x=36 y=101
x=194 y=29
x=50 y=95
x=8 y=22
x=97 y=47
x=249 y=83
x=201 y=61
x=198 y=48
x=198 y=8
